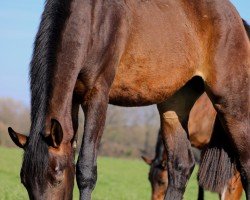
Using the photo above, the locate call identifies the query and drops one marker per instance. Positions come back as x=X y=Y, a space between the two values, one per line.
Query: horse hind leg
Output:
x=174 y=117
x=218 y=157
x=236 y=140
x=228 y=88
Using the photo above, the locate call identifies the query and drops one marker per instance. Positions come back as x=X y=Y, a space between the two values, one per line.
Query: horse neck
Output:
x=55 y=52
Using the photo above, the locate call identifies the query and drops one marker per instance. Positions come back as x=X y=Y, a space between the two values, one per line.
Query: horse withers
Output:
x=90 y=53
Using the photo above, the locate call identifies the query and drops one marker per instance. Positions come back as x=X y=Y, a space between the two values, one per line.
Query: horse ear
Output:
x=147 y=160
x=56 y=134
x=19 y=139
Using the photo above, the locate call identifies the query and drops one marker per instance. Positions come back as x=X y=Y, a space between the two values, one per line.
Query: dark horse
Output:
x=132 y=53
x=199 y=135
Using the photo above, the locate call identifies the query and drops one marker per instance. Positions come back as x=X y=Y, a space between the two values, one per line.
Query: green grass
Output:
x=118 y=179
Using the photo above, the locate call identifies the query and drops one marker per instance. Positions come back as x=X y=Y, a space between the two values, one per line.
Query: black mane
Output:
x=35 y=160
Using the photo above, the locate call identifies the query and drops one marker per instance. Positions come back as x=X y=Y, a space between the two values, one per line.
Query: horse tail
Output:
x=247 y=27
x=217 y=161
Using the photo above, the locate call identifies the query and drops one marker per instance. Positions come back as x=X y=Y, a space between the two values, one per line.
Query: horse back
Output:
x=161 y=54
x=168 y=43
x=155 y=47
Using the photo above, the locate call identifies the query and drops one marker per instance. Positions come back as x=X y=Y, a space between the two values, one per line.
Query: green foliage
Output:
x=118 y=179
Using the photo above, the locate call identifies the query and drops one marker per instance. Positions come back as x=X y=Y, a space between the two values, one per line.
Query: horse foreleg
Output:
x=95 y=107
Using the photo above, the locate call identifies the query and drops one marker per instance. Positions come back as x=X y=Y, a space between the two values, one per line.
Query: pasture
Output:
x=118 y=179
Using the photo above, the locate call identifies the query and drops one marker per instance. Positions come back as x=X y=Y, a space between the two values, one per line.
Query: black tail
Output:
x=247 y=27
x=217 y=161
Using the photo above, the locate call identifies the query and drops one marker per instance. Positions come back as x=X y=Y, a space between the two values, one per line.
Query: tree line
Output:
x=129 y=132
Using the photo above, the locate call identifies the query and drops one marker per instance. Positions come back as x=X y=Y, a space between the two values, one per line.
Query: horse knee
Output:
x=180 y=169
x=181 y=166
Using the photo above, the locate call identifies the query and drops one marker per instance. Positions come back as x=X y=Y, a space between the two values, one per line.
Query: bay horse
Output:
x=90 y=53
x=200 y=128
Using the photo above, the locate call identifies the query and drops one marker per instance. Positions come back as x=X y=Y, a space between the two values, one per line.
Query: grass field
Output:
x=118 y=179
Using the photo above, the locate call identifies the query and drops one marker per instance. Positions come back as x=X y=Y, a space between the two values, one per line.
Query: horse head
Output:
x=48 y=164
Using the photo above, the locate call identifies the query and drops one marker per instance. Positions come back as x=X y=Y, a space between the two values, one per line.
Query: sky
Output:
x=19 y=20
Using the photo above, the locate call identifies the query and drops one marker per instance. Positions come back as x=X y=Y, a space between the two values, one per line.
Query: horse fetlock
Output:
x=179 y=173
x=178 y=179
x=184 y=163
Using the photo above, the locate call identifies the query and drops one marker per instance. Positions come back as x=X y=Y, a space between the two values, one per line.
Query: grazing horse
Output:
x=90 y=53
x=199 y=135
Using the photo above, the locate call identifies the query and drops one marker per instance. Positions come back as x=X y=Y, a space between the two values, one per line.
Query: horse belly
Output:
x=159 y=58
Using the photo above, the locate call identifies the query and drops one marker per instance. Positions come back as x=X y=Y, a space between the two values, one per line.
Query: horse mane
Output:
x=35 y=159
x=247 y=27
